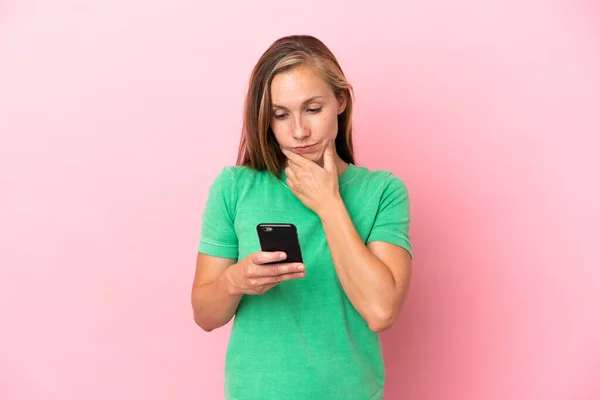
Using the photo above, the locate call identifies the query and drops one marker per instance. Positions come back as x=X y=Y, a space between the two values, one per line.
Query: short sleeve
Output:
x=218 y=237
x=392 y=221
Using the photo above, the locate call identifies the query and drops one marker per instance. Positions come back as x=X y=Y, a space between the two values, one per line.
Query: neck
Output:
x=340 y=165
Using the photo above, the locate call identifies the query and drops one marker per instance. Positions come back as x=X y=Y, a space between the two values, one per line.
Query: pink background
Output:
x=115 y=116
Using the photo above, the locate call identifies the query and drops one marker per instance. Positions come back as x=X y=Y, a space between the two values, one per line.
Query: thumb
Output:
x=329 y=157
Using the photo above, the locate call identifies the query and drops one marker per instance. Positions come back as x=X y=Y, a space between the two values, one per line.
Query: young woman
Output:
x=302 y=331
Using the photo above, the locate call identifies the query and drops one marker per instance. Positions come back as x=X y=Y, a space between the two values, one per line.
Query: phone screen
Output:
x=280 y=237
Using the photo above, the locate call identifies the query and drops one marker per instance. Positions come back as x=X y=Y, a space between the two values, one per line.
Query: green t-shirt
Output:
x=303 y=339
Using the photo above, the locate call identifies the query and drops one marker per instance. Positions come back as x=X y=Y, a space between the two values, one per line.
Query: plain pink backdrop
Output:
x=115 y=116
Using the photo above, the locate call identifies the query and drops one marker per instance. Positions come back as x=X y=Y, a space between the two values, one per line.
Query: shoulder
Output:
x=234 y=174
x=379 y=181
x=224 y=187
x=233 y=184
x=238 y=179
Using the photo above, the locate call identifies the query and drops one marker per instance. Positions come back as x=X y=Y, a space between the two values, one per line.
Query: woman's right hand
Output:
x=252 y=276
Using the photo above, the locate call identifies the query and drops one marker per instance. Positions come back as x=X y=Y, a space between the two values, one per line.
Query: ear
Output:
x=342 y=102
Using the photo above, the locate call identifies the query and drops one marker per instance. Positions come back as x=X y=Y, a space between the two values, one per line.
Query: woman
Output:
x=302 y=331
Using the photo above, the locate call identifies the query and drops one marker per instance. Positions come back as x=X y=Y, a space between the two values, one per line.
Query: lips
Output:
x=303 y=149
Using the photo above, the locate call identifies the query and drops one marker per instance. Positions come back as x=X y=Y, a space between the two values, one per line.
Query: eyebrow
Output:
x=307 y=101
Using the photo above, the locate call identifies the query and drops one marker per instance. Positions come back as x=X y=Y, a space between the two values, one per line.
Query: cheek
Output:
x=279 y=131
x=328 y=125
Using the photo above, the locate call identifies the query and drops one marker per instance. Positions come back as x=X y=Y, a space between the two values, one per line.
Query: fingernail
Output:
x=282 y=256
x=300 y=267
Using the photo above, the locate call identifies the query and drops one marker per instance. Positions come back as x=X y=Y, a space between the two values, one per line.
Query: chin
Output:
x=315 y=157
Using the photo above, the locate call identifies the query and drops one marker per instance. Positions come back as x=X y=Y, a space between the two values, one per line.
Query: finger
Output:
x=265 y=257
x=276 y=269
x=329 y=157
x=290 y=184
x=294 y=172
x=273 y=280
x=289 y=171
x=263 y=289
x=291 y=175
x=295 y=158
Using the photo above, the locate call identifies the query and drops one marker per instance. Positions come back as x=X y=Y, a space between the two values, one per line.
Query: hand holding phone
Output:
x=261 y=271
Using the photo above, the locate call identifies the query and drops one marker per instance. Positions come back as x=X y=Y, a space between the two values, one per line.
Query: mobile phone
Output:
x=280 y=237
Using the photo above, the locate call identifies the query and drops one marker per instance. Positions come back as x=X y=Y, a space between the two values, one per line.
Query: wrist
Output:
x=331 y=209
x=227 y=283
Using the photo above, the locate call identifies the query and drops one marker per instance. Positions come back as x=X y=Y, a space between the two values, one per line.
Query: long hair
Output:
x=258 y=147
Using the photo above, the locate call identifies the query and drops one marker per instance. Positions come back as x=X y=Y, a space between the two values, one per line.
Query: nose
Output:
x=300 y=130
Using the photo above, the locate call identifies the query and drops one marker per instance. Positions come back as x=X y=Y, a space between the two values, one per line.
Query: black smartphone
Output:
x=280 y=237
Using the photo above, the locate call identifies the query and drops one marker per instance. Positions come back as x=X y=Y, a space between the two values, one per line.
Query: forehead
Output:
x=296 y=85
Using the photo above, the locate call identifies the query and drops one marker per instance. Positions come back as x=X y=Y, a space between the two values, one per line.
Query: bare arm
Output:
x=213 y=302
x=374 y=277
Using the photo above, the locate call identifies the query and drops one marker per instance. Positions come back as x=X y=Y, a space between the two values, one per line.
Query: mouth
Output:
x=305 y=149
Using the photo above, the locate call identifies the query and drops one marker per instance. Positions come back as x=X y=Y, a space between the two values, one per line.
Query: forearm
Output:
x=366 y=280
x=214 y=303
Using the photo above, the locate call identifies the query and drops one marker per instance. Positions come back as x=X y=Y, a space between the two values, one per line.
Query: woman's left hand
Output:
x=316 y=187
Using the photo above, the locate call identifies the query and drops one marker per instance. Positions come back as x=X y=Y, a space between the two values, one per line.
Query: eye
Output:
x=314 y=110
x=279 y=116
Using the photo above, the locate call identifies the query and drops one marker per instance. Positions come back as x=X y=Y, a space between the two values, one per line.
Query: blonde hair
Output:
x=258 y=147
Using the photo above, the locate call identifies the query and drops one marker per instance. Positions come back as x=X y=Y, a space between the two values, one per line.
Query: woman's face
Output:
x=305 y=111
